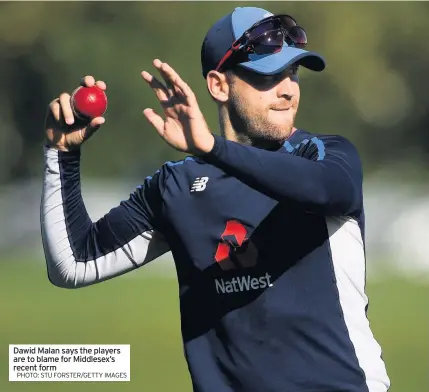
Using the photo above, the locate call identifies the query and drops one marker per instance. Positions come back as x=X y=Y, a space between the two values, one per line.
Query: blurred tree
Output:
x=372 y=91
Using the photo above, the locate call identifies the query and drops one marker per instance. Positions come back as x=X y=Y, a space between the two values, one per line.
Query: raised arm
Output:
x=329 y=182
x=80 y=252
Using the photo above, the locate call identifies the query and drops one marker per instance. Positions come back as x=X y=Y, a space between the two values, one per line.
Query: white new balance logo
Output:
x=199 y=184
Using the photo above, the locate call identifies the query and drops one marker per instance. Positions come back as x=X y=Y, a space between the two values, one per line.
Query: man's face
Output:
x=264 y=107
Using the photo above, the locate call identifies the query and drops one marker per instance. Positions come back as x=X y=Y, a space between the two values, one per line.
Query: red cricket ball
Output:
x=88 y=102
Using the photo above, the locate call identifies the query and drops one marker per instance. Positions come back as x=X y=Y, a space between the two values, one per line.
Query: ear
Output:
x=218 y=86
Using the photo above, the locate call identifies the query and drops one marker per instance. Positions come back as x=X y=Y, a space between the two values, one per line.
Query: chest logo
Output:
x=199 y=184
x=235 y=249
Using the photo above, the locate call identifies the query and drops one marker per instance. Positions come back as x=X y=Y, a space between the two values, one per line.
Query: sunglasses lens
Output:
x=262 y=29
x=298 y=36
x=268 y=42
x=287 y=21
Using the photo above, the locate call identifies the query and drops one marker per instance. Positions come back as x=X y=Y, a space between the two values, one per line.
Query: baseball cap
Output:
x=225 y=31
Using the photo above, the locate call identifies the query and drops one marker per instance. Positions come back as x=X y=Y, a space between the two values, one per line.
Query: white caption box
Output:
x=57 y=362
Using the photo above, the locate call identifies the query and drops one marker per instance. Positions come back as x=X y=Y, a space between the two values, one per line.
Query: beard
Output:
x=255 y=128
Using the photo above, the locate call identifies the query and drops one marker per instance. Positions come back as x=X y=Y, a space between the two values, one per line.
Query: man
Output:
x=266 y=223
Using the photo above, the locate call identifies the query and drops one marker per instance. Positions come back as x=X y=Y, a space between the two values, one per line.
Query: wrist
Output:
x=207 y=146
x=217 y=143
x=60 y=147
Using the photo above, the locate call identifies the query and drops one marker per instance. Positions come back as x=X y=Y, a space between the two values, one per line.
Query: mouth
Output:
x=281 y=109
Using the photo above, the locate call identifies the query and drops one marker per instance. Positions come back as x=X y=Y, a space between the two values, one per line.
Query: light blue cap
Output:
x=231 y=27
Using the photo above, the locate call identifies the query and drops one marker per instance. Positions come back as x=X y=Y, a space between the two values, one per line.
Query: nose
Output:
x=286 y=88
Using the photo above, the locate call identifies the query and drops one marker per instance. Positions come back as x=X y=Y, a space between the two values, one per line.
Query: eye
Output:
x=266 y=80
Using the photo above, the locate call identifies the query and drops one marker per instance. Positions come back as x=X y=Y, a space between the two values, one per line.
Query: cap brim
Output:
x=275 y=63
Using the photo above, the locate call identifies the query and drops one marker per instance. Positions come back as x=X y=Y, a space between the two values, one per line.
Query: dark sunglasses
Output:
x=267 y=37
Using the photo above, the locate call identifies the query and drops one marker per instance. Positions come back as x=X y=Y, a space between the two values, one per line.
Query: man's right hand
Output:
x=63 y=131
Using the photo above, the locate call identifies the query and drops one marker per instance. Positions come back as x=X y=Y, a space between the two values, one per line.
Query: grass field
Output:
x=143 y=312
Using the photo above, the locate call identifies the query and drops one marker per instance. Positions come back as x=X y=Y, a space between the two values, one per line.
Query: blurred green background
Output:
x=374 y=91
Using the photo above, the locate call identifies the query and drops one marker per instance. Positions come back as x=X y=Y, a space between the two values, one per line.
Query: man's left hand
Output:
x=184 y=127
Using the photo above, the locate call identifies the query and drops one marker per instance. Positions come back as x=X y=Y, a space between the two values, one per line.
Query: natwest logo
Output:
x=235 y=250
x=242 y=283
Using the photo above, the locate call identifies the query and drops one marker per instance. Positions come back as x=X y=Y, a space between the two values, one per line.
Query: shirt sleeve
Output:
x=322 y=174
x=80 y=252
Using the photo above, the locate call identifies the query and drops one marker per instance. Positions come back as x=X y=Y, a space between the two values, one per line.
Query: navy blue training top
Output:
x=270 y=257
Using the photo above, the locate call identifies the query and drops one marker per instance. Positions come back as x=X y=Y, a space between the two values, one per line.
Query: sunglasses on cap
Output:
x=267 y=37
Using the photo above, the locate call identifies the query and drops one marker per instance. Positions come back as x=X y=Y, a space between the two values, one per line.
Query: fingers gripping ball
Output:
x=88 y=102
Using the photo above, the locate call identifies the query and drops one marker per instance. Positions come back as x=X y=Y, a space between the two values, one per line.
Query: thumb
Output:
x=97 y=122
x=93 y=126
